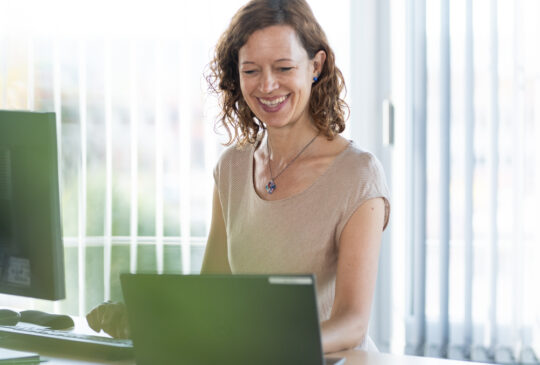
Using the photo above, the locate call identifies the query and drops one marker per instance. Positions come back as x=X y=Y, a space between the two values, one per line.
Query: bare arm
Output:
x=355 y=279
x=215 y=256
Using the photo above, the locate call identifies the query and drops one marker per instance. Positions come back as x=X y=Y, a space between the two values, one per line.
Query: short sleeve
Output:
x=366 y=180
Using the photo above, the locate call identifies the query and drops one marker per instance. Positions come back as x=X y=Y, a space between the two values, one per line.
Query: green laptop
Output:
x=226 y=320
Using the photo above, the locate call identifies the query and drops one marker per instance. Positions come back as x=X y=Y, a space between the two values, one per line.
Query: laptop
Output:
x=224 y=319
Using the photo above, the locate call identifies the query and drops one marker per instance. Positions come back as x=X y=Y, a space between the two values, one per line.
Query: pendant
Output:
x=270 y=187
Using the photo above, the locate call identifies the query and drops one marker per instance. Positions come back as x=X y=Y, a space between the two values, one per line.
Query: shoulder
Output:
x=360 y=163
x=233 y=154
x=231 y=158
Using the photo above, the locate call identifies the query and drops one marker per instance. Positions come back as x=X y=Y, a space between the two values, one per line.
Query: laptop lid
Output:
x=232 y=319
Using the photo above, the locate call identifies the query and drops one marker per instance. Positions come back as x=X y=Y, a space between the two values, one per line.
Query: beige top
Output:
x=299 y=234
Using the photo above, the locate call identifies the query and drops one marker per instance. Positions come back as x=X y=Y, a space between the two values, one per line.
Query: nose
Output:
x=268 y=82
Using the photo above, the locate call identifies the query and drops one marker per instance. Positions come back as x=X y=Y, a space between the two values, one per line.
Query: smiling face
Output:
x=276 y=76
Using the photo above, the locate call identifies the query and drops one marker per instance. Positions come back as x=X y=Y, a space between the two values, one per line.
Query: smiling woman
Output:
x=281 y=104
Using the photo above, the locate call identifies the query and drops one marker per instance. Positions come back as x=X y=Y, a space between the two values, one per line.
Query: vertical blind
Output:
x=125 y=158
x=472 y=165
x=136 y=141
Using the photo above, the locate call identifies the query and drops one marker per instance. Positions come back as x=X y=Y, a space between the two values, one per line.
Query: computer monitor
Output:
x=31 y=247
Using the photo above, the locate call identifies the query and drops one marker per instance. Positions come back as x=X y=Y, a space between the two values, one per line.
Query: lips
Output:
x=273 y=104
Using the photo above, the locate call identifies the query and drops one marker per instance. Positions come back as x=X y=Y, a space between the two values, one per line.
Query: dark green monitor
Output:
x=31 y=247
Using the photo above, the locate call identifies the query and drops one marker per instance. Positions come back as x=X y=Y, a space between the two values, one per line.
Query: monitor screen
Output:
x=31 y=247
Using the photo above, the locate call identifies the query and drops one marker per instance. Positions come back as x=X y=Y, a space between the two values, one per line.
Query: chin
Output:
x=278 y=123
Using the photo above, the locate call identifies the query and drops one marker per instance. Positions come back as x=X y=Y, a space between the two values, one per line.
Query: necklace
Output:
x=271 y=186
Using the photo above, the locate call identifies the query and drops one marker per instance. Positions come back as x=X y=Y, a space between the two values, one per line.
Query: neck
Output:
x=285 y=144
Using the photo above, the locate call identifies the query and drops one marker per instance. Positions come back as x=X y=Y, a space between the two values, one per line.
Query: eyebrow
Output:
x=280 y=60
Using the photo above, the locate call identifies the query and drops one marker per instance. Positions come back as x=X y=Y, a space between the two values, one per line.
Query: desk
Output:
x=354 y=357
x=358 y=357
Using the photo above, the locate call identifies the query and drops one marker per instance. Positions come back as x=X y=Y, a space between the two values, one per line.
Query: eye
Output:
x=249 y=72
x=285 y=69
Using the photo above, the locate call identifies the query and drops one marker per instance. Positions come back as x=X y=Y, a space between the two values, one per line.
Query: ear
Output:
x=318 y=62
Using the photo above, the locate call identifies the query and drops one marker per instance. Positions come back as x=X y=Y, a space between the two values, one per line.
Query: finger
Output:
x=113 y=320
x=110 y=326
x=93 y=320
x=110 y=329
x=99 y=316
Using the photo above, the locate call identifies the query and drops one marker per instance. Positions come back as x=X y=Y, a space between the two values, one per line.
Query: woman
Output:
x=291 y=195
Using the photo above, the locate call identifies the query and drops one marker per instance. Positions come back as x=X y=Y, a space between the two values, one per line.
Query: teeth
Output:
x=273 y=102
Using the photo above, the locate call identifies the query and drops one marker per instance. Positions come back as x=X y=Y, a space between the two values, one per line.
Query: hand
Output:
x=111 y=317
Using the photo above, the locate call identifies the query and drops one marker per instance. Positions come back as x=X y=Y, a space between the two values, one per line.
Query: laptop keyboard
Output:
x=53 y=340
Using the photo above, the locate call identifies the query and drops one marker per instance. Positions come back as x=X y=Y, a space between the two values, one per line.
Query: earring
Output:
x=315 y=78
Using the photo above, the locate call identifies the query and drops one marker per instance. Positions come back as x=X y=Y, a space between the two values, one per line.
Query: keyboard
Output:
x=36 y=338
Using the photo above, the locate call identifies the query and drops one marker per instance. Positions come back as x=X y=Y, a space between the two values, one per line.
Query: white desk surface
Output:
x=354 y=357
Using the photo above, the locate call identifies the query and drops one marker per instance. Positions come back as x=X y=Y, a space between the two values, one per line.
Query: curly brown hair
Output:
x=326 y=107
